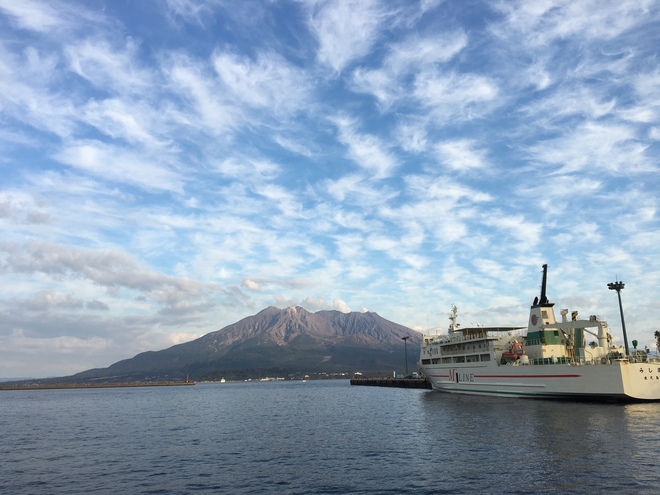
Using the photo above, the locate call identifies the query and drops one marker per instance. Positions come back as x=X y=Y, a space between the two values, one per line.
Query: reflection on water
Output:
x=547 y=445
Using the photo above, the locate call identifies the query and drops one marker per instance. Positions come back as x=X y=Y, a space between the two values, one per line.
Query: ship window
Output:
x=472 y=359
x=544 y=314
x=446 y=360
x=426 y=361
x=459 y=359
x=485 y=357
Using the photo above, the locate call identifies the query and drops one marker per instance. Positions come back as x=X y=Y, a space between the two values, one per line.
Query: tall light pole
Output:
x=405 y=350
x=618 y=287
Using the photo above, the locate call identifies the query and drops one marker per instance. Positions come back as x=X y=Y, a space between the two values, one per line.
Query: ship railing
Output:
x=592 y=361
x=642 y=358
x=456 y=338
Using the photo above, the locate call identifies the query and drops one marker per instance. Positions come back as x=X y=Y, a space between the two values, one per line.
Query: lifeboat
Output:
x=515 y=351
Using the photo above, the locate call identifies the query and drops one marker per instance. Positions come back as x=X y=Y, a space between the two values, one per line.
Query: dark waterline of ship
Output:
x=320 y=437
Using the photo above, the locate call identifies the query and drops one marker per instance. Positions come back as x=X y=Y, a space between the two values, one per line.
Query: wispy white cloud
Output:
x=286 y=202
x=515 y=232
x=593 y=148
x=33 y=15
x=567 y=104
x=120 y=165
x=455 y=97
x=460 y=155
x=109 y=67
x=561 y=198
x=359 y=189
x=544 y=22
x=249 y=169
x=368 y=151
x=195 y=84
x=346 y=30
x=269 y=82
x=188 y=10
x=411 y=57
x=299 y=148
x=30 y=103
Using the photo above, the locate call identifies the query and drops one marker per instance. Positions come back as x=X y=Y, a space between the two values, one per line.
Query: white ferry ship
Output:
x=547 y=359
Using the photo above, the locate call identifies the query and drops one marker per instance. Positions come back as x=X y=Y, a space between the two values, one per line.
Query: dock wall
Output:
x=392 y=382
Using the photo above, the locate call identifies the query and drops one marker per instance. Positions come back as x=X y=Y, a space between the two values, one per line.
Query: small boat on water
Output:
x=548 y=359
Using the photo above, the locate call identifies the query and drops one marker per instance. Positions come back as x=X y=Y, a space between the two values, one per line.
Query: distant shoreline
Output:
x=93 y=385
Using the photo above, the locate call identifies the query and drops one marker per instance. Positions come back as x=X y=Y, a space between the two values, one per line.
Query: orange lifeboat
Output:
x=515 y=351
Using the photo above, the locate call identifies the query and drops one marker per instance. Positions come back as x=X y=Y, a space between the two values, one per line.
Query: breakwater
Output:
x=40 y=386
x=392 y=382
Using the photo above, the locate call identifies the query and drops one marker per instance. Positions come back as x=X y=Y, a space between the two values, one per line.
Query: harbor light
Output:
x=405 y=350
x=618 y=287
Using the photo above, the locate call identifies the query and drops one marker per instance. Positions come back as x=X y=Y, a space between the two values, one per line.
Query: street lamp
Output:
x=618 y=287
x=405 y=350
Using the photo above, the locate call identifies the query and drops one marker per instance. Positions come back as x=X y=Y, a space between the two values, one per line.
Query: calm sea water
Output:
x=319 y=437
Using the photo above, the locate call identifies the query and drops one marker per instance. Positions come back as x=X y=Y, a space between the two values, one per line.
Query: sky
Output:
x=168 y=168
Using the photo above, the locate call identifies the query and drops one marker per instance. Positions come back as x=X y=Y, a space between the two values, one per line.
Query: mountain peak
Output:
x=296 y=310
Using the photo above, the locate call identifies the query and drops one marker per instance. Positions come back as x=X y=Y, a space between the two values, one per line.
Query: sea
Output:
x=320 y=437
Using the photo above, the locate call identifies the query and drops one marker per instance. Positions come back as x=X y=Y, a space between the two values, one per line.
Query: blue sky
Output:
x=170 y=167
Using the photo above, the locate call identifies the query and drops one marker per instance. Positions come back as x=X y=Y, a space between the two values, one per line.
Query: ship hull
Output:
x=619 y=381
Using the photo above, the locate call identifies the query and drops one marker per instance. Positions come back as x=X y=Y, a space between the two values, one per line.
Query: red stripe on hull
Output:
x=514 y=376
x=527 y=376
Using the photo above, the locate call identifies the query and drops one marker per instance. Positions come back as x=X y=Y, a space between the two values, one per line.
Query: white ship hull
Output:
x=620 y=381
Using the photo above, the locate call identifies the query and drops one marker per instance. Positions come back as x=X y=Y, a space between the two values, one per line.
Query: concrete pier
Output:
x=393 y=382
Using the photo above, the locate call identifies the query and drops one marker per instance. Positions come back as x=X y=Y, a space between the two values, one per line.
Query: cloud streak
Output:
x=109 y=269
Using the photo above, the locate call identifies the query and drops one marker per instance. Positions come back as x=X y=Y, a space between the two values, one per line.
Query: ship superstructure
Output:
x=545 y=359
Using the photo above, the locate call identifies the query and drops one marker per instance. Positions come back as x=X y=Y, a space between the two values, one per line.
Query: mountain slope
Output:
x=290 y=339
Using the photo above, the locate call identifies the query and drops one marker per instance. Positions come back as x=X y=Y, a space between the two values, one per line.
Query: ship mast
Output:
x=544 y=298
x=544 y=283
x=453 y=318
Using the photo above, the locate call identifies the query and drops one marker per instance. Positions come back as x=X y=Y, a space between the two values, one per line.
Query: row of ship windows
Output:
x=458 y=348
x=473 y=358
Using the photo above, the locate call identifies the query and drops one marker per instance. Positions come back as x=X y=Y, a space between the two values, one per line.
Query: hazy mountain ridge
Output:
x=290 y=338
x=282 y=326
